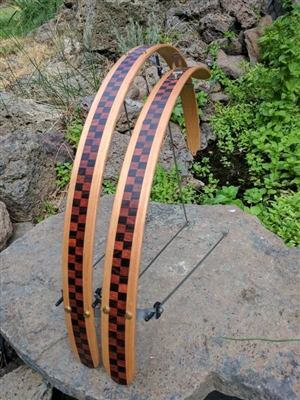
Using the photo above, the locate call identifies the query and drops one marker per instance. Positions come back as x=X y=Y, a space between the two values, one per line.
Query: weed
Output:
x=165 y=188
x=74 y=129
x=134 y=34
x=109 y=187
x=63 y=174
x=262 y=123
x=30 y=14
x=48 y=210
x=177 y=114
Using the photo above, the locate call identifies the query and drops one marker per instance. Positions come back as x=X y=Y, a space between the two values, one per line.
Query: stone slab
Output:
x=247 y=288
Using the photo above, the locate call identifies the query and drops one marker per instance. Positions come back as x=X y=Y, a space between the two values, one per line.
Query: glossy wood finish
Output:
x=123 y=253
x=83 y=197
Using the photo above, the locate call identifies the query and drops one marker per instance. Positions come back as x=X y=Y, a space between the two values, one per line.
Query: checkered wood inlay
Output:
x=125 y=231
x=81 y=203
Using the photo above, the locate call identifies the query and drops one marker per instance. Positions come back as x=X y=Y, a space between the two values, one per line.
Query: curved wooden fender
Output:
x=123 y=252
x=83 y=195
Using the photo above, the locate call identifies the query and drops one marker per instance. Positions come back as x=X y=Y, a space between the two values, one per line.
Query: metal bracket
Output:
x=154 y=58
x=98 y=297
x=145 y=314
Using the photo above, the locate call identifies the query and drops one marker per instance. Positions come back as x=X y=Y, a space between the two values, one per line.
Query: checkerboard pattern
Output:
x=125 y=230
x=81 y=203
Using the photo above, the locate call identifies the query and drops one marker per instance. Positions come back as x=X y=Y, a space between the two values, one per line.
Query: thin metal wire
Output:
x=127 y=117
x=193 y=270
x=96 y=262
x=159 y=253
x=177 y=172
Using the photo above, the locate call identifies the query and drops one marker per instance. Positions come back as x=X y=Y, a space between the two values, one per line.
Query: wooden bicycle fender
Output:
x=123 y=252
x=82 y=203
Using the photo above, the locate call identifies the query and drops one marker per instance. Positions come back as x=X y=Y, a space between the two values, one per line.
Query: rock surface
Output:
x=26 y=170
x=248 y=287
x=252 y=36
x=6 y=228
x=27 y=175
x=24 y=383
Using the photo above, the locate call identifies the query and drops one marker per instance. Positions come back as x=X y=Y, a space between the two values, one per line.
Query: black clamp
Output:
x=158 y=310
x=98 y=297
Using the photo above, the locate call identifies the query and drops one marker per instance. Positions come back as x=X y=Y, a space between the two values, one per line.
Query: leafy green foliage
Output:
x=262 y=124
x=48 y=210
x=63 y=174
x=29 y=14
x=283 y=217
x=177 y=114
x=109 y=187
x=74 y=131
x=165 y=188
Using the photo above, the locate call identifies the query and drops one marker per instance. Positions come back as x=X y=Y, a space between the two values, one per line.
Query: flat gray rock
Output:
x=248 y=287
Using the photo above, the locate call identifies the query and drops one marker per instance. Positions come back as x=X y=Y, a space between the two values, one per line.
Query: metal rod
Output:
x=127 y=117
x=96 y=262
x=159 y=253
x=194 y=269
x=177 y=172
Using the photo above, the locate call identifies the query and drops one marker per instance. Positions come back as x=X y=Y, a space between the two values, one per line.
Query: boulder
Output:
x=232 y=46
x=252 y=36
x=6 y=228
x=27 y=175
x=25 y=383
x=231 y=65
x=207 y=135
x=17 y=113
x=26 y=168
x=217 y=22
x=248 y=287
x=247 y=13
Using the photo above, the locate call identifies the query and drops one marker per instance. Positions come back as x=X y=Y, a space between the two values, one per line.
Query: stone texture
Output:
x=19 y=230
x=6 y=228
x=27 y=175
x=183 y=156
x=217 y=22
x=207 y=135
x=247 y=287
x=16 y=114
x=252 y=36
x=57 y=148
x=24 y=383
x=232 y=46
x=246 y=13
x=231 y=65
x=26 y=170
x=100 y=21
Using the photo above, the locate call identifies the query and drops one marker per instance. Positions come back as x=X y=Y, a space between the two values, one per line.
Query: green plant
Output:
x=63 y=174
x=9 y=24
x=165 y=188
x=283 y=217
x=201 y=169
x=177 y=114
x=230 y=34
x=109 y=187
x=135 y=35
x=30 y=14
x=48 y=210
x=74 y=130
x=261 y=125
